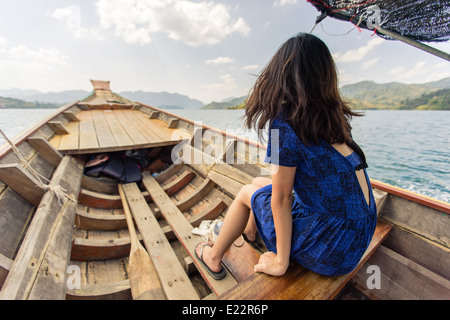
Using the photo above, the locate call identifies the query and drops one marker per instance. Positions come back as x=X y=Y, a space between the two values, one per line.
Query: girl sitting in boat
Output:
x=327 y=223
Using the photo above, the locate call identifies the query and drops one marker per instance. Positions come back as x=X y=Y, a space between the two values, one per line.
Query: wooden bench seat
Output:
x=299 y=283
x=112 y=201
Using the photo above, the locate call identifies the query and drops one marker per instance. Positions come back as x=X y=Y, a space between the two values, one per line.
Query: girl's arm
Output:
x=282 y=185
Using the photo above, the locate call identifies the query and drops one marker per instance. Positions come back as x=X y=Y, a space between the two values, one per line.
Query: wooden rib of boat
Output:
x=64 y=235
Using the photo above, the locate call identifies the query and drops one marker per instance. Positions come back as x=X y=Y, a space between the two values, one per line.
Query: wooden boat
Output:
x=67 y=235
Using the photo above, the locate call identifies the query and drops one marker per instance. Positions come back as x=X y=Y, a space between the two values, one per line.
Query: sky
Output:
x=207 y=50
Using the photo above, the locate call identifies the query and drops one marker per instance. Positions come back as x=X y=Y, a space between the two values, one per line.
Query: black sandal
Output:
x=216 y=275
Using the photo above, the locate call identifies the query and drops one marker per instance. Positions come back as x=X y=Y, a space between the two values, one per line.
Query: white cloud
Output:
x=442 y=64
x=71 y=15
x=284 y=2
x=28 y=67
x=3 y=41
x=346 y=77
x=220 y=60
x=369 y=63
x=404 y=73
x=42 y=56
x=193 y=23
x=360 y=53
x=422 y=71
x=228 y=83
x=251 y=67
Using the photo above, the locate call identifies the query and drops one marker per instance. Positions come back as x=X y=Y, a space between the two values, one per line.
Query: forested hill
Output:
x=162 y=100
x=395 y=95
x=10 y=103
x=437 y=100
x=236 y=103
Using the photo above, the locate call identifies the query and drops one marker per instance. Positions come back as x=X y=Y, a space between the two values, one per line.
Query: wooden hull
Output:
x=78 y=247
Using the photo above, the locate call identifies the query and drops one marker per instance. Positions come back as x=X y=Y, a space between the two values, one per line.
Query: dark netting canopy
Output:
x=420 y=20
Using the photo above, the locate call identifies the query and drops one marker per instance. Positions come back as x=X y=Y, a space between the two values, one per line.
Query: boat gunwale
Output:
x=24 y=135
x=412 y=196
x=204 y=126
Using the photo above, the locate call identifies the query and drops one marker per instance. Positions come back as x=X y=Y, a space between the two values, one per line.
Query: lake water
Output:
x=407 y=149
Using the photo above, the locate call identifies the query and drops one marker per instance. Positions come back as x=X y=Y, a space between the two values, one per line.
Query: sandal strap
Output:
x=203 y=244
x=239 y=244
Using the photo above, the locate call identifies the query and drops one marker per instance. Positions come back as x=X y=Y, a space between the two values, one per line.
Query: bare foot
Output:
x=208 y=259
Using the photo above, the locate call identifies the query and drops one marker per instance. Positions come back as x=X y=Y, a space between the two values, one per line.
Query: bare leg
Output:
x=233 y=226
x=250 y=229
x=237 y=220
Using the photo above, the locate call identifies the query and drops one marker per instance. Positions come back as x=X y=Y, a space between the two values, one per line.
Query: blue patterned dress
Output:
x=332 y=223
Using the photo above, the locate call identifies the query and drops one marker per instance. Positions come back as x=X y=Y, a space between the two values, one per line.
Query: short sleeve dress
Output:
x=332 y=222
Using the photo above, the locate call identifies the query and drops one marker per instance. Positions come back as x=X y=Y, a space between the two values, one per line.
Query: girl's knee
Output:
x=247 y=192
x=261 y=181
x=255 y=181
x=247 y=189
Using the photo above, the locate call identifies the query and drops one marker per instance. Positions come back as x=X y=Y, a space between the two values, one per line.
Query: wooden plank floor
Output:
x=115 y=130
x=174 y=280
x=183 y=230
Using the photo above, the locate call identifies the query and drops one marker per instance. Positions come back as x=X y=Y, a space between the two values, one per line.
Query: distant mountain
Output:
x=393 y=95
x=363 y=95
x=60 y=98
x=160 y=100
x=163 y=99
x=11 y=103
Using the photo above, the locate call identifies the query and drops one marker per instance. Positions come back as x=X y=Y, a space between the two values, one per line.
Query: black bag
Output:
x=119 y=167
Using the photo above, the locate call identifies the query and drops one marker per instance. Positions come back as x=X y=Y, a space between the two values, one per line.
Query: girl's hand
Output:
x=269 y=264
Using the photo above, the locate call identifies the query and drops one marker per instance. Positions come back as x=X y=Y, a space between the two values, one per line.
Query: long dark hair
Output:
x=301 y=84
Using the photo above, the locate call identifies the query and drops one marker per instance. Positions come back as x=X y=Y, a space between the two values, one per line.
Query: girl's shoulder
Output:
x=286 y=133
x=280 y=123
x=288 y=138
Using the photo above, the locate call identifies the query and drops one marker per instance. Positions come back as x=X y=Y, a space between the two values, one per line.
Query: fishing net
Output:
x=421 y=20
